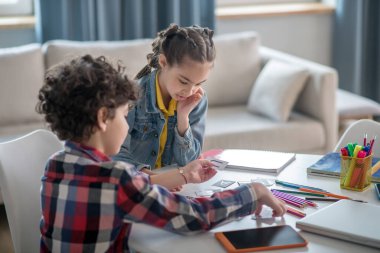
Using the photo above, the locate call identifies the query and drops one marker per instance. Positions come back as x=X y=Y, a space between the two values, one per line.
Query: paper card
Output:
x=244 y=182
x=206 y=193
x=223 y=183
x=264 y=181
x=266 y=213
x=219 y=164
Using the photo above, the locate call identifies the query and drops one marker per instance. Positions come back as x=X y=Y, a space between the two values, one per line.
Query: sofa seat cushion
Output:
x=235 y=127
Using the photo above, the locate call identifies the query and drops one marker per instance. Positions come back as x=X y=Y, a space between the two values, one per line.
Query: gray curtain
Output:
x=356 y=48
x=117 y=19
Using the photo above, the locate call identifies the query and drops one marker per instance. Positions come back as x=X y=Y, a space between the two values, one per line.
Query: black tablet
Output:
x=267 y=238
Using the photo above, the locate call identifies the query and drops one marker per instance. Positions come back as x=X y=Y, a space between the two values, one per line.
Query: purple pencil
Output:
x=290 y=202
x=289 y=196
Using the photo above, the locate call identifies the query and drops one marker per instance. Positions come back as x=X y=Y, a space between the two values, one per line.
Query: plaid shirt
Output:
x=87 y=200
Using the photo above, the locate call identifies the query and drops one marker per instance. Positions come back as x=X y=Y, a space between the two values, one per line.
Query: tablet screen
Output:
x=264 y=237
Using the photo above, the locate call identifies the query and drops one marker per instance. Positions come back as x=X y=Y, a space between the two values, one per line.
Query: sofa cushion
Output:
x=132 y=53
x=237 y=65
x=276 y=90
x=22 y=73
x=249 y=131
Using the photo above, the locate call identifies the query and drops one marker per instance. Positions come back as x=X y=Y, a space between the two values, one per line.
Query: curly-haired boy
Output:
x=87 y=198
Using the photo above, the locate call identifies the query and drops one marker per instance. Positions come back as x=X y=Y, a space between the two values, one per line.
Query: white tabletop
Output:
x=145 y=238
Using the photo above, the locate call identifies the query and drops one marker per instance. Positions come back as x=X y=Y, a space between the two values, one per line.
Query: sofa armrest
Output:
x=318 y=98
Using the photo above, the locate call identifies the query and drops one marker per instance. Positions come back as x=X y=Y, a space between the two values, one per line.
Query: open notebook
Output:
x=255 y=160
x=347 y=220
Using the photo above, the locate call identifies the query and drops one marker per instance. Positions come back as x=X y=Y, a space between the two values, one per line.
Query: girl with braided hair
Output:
x=168 y=122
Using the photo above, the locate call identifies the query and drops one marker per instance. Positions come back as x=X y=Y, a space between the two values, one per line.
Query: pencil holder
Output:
x=355 y=173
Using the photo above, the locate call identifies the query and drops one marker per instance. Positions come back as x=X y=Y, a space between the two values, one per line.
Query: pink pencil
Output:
x=371 y=145
x=295 y=212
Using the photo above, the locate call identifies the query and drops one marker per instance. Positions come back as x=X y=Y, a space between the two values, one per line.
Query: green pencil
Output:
x=301 y=193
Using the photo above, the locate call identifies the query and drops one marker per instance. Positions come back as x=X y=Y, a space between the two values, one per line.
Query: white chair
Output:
x=22 y=162
x=355 y=133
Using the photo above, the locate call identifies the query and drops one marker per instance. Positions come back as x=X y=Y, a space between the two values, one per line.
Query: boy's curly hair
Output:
x=73 y=93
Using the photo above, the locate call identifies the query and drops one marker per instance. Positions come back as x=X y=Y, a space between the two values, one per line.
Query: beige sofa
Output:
x=311 y=127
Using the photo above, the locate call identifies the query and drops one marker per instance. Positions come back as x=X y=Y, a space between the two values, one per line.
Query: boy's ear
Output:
x=102 y=118
x=162 y=60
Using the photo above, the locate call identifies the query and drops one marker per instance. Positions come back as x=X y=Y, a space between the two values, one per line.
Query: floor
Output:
x=5 y=236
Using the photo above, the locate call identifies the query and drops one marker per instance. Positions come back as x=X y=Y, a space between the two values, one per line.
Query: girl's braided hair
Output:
x=177 y=42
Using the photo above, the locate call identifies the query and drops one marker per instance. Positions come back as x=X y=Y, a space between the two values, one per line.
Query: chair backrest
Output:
x=22 y=163
x=355 y=133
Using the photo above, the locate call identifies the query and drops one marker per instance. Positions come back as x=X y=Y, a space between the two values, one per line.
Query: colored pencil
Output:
x=310 y=203
x=295 y=212
x=297 y=186
x=322 y=199
x=290 y=202
x=325 y=193
x=288 y=196
x=293 y=198
x=333 y=199
x=302 y=193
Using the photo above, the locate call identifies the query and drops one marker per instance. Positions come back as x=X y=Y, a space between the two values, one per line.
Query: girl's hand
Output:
x=199 y=171
x=184 y=107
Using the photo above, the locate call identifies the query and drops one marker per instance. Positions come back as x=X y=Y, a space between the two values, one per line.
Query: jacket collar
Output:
x=151 y=96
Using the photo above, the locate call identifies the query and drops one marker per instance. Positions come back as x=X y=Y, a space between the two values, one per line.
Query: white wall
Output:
x=308 y=35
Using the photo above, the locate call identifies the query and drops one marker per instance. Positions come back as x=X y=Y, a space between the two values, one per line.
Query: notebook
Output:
x=254 y=160
x=347 y=220
x=329 y=165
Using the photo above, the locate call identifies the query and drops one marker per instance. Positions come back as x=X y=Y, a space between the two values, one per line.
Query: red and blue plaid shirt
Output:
x=87 y=200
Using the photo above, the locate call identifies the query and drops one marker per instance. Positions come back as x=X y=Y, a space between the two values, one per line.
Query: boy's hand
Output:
x=265 y=197
x=176 y=189
x=199 y=171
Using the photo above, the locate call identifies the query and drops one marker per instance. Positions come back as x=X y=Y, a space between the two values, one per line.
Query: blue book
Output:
x=329 y=166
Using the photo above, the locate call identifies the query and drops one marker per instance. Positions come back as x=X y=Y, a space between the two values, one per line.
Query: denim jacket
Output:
x=146 y=122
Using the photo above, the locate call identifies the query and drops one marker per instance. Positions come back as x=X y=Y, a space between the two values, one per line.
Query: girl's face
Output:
x=182 y=81
x=116 y=131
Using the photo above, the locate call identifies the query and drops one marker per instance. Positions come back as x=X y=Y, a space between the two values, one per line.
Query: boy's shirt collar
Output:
x=86 y=151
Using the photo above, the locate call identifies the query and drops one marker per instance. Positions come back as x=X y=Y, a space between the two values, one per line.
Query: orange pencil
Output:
x=324 y=193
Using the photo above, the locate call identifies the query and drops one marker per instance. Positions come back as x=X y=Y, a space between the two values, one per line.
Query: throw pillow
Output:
x=276 y=90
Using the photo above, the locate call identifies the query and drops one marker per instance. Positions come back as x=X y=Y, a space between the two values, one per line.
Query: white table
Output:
x=145 y=238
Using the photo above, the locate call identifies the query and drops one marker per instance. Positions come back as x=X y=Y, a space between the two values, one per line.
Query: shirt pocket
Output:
x=143 y=130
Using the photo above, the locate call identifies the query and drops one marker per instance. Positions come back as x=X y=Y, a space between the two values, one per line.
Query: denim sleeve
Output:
x=124 y=155
x=188 y=147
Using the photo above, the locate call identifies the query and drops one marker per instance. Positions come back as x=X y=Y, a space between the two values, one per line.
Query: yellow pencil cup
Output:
x=355 y=173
